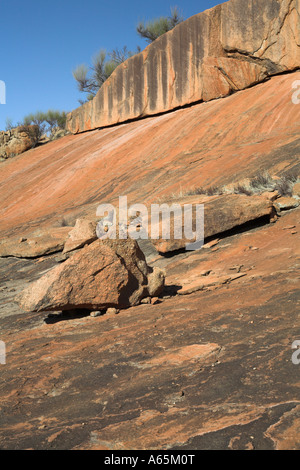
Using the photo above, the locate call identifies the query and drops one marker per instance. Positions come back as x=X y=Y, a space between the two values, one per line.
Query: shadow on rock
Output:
x=67 y=315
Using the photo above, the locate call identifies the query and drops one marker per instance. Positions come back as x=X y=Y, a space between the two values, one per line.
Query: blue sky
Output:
x=43 y=41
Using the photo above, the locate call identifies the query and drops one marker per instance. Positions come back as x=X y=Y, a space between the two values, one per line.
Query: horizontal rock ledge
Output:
x=221 y=213
x=211 y=55
x=41 y=242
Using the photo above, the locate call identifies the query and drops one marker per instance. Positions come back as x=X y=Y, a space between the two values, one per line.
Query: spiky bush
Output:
x=210 y=191
x=242 y=189
x=262 y=182
x=284 y=187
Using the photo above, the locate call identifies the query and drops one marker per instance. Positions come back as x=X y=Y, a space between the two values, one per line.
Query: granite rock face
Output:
x=218 y=143
x=222 y=50
x=221 y=213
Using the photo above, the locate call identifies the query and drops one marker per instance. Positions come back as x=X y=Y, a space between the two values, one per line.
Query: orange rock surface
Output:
x=213 y=143
x=209 y=370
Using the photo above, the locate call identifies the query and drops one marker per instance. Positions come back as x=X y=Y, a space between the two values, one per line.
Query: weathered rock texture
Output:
x=17 y=140
x=209 y=144
x=108 y=273
x=38 y=243
x=211 y=370
x=211 y=55
x=296 y=190
x=221 y=213
x=82 y=234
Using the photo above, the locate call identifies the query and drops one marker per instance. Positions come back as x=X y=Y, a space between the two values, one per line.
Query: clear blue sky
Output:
x=43 y=41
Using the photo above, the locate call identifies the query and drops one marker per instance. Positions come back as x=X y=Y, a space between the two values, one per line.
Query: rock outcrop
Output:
x=104 y=274
x=225 y=49
x=38 y=243
x=17 y=140
x=221 y=213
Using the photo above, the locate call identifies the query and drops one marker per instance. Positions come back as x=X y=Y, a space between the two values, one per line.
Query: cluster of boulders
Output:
x=96 y=275
x=99 y=274
x=18 y=140
x=15 y=141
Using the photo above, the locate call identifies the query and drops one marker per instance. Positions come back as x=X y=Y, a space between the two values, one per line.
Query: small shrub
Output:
x=155 y=28
x=292 y=176
x=9 y=125
x=211 y=191
x=241 y=189
x=284 y=187
x=262 y=182
x=193 y=192
x=36 y=119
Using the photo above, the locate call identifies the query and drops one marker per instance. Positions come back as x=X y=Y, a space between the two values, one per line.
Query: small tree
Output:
x=119 y=56
x=155 y=28
x=55 y=119
x=9 y=124
x=37 y=119
x=47 y=122
x=90 y=79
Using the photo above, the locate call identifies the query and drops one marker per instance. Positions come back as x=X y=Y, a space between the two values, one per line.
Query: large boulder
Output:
x=104 y=274
x=210 y=55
